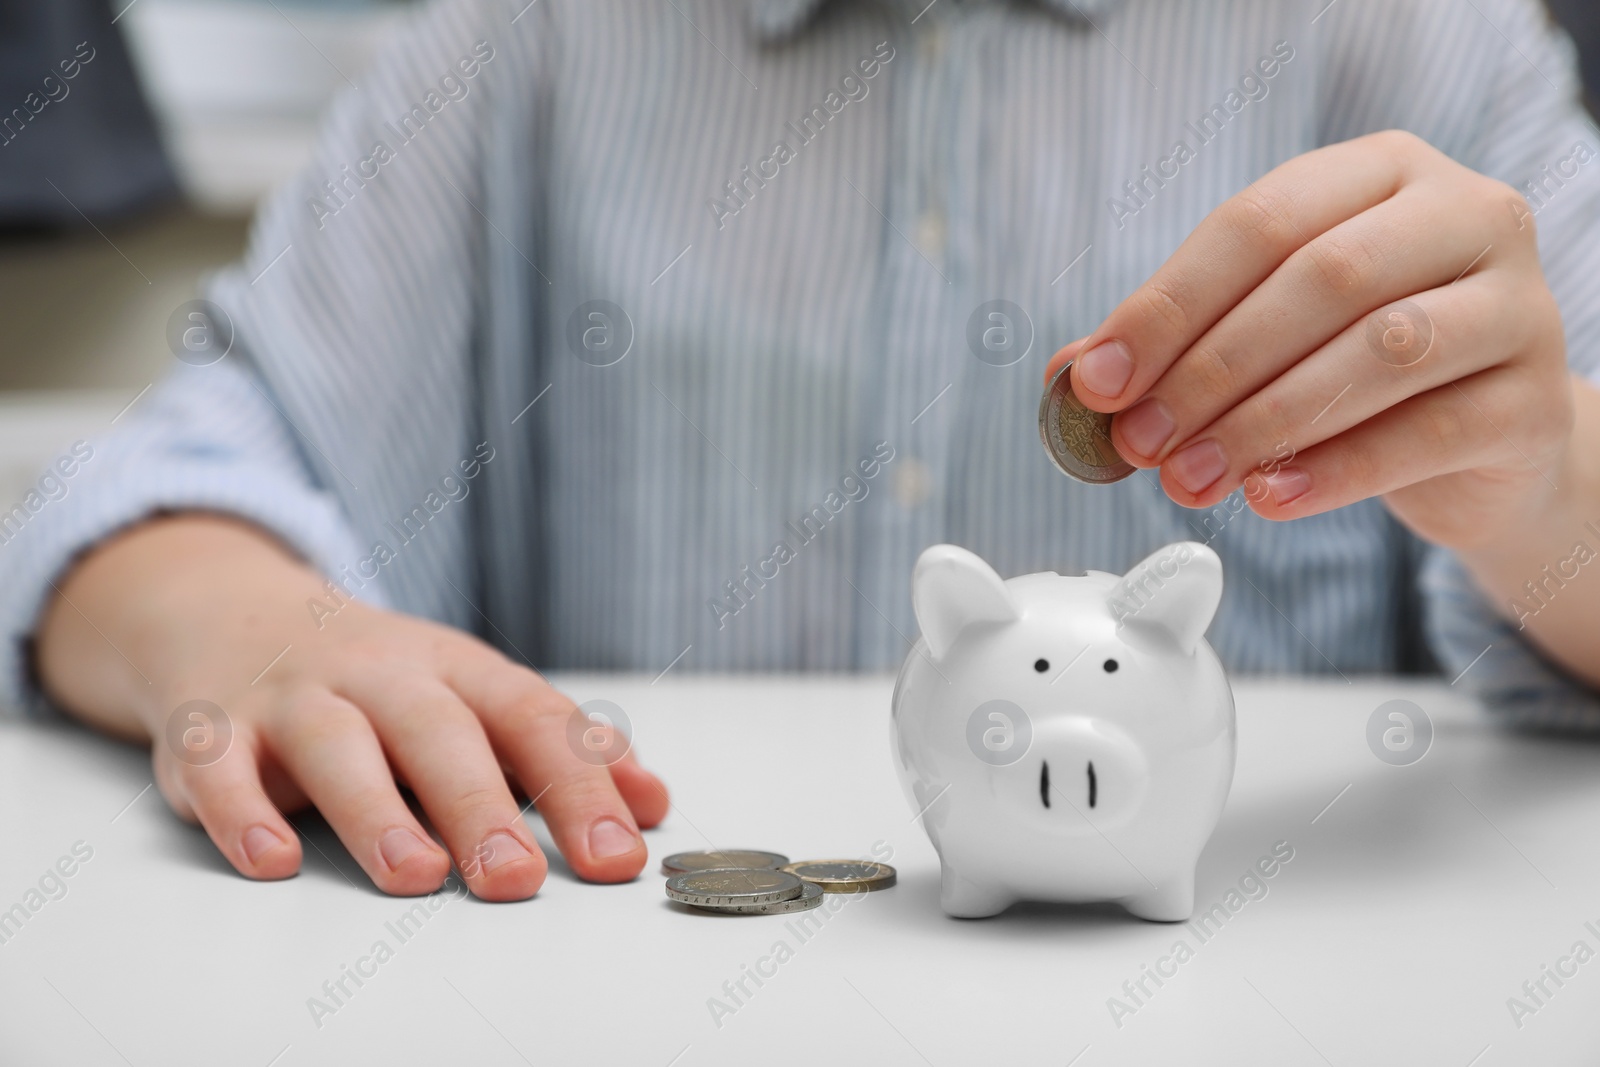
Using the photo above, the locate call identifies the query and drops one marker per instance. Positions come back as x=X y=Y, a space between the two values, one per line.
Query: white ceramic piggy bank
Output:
x=1066 y=738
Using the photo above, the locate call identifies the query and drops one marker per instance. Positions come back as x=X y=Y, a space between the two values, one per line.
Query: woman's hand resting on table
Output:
x=194 y=607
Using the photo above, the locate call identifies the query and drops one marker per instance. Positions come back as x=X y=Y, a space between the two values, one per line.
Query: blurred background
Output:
x=136 y=138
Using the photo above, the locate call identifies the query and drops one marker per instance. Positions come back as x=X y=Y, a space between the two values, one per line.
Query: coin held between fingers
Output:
x=1077 y=439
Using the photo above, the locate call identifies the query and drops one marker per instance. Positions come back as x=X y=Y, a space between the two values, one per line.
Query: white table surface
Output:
x=1414 y=906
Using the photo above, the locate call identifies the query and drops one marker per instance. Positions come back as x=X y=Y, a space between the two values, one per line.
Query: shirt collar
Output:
x=775 y=20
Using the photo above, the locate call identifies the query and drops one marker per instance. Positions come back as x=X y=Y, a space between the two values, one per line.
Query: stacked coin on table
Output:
x=755 y=882
x=683 y=862
x=844 y=876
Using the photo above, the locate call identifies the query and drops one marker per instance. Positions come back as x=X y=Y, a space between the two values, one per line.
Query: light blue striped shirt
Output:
x=634 y=334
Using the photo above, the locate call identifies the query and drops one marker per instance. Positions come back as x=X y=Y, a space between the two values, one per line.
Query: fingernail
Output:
x=1287 y=484
x=608 y=838
x=1106 y=369
x=1146 y=426
x=499 y=849
x=398 y=845
x=258 y=841
x=1198 y=465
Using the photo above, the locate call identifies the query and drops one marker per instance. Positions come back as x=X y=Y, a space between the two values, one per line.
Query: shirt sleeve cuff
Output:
x=1486 y=655
x=205 y=439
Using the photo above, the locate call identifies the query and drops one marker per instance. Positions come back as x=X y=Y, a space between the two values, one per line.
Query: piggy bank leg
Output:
x=1171 y=902
x=962 y=898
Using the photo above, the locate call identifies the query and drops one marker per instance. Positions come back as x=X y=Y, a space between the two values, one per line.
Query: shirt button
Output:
x=931 y=234
x=912 y=482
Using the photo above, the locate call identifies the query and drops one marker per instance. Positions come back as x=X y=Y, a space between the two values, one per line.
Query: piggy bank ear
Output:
x=1173 y=592
x=953 y=589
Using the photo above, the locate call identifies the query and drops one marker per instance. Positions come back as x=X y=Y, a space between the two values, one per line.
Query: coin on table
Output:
x=723 y=886
x=1078 y=440
x=810 y=896
x=683 y=862
x=844 y=876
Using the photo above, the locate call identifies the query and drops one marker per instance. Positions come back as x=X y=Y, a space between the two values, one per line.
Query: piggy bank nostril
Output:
x=1044 y=783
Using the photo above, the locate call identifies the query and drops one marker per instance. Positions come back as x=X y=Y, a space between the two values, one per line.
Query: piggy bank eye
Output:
x=1110 y=665
x=1041 y=665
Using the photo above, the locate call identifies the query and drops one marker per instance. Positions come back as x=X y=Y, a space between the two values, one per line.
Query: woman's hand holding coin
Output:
x=1368 y=319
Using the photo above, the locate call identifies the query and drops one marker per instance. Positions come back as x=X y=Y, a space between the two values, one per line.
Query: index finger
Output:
x=1059 y=360
x=529 y=723
x=1235 y=249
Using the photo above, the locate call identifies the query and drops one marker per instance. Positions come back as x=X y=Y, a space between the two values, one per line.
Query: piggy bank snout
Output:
x=1083 y=774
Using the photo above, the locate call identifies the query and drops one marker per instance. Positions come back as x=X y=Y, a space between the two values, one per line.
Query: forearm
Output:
x=1545 y=575
x=168 y=611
